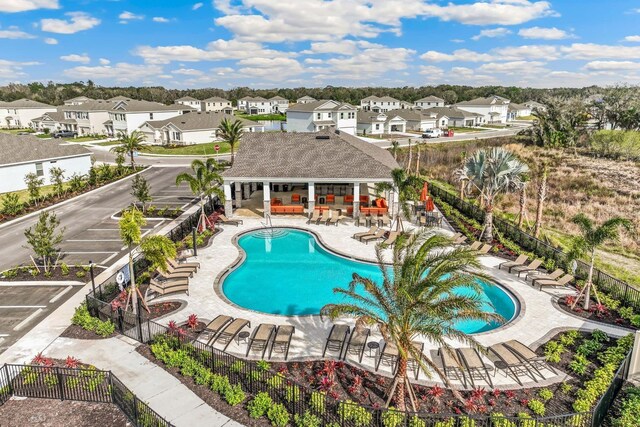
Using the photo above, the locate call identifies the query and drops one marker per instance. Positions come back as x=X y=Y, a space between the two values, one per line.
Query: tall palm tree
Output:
x=231 y=132
x=542 y=195
x=129 y=144
x=416 y=298
x=395 y=146
x=585 y=245
x=130 y=225
x=492 y=172
x=204 y=181
x=407 y=188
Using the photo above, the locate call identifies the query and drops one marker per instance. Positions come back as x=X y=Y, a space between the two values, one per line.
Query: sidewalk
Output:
x=164 y=393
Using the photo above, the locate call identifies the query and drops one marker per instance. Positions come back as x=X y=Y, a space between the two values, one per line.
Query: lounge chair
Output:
x=325 y=217
x=519 y=261
x=282 y=340
x=537 y=275
x=533 y=265
x=261 y=338
x=223 y=219
x=475 y=246
x=379 y=235
x=183 y=265
x=372 y=231
x=165 y=287
x=230 y=331
x=474 y=366
x=485 y=249
x=412 y=363
x=174 y=274
x=215 y=326
x=335 y=217
x=526 y=353
x=384 y=221
x=563 y=281
x=357 y=342
x=337 y=339
x=389 y=241
x=388 y=356
x=505 y=359
x=452 y=366
x=456 y=236
x=460 y=240
x=315 y=217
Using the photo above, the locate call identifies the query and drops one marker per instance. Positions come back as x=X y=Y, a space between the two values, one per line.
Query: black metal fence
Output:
x=79 y=384
x=605 y=402
x=616 y=288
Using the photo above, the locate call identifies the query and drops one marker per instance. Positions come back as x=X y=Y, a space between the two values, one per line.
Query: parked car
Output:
x=65 y=134
x=432 y=133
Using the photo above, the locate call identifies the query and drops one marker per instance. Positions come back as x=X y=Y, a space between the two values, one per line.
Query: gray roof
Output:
x=430 y=98
x=56 y=116
x=409 y=115
x=253 y=99
x=516 y=107
x=307 y=98
x=453 y=113
x=131 y=105
x=337 y=155
x=491 y=100
x=199 y=120
x=92 y=105
x=28 y=148
x=315 y=105
x=188 y=98
x=383 y=98
x=277 y=98
x=216 y=99
x=79 y=98
x=25 y=103
x=118 y=98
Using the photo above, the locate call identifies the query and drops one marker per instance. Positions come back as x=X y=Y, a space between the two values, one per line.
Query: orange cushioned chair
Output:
x=331 y=198
x=348 y=199
x=295 y=198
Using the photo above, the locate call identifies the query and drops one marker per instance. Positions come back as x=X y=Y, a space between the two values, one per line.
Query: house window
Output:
x=150 y=116
x=377 y=126
x=176 y=136
x=39 y=169
x=341 y=116
x=442 y=123
x=319 y=116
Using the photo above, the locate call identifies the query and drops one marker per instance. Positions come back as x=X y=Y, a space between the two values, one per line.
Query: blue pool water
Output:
x=289 y=273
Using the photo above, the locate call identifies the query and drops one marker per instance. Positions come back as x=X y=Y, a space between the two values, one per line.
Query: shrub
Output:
x=82 y=317
x=589 y=347
x=234 y=395
x=292 y=393
x=104 y=329
x=525 y=420
x=537 y=407
x=317 y=402
x=450 y=422
x=278 y=415
x=237 y=366
x=545 y=394
x=498 y=420
x=417 y=422
x=351 y=411
x=553 y=351
x=599 y=336
x=566 y=388
x=626 y=312
x=569 y=338
x=467 y=422
x=635 y=320
x=392 y=418
x=306 y=420
x=579 y=364
x=263 y=365
x=220 y=384
x=630 y=411
x=11 y=204
x=259 y=405
x=276 y=381
x=64 y=269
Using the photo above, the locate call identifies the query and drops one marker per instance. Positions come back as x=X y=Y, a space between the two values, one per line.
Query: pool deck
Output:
x=536 y=322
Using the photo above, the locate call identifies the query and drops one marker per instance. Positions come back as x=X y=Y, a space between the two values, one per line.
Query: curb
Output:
x=57 y=205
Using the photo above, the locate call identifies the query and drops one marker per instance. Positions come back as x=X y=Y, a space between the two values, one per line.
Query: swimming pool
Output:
x=287 y=272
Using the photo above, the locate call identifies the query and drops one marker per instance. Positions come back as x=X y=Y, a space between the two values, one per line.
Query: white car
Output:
x=432 y=133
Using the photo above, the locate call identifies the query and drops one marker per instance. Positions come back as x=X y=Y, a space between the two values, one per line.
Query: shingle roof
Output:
x=450 y=112
x=28 y=148
x=25 y=103
x=517 y=107
x=79 y=98
x=336 y=155
x=131 y=105
x=188 y=98
x=368 y=116
x=409 y=115
x=430 y=98
x=92 y=105
x=306 y=98
x=383 y=98
x=253 y=99
x=216 y=99
x=491 y=100
x=316 y=105
x=119 y=98
x=277 y=98
x=199 y=120
x=56 y=116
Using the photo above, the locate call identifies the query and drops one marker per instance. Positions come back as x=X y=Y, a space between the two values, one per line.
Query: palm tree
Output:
x=585 y=245
x=407 y=188
x=205 y=181
x=542 y=195
x=492 y=172
x=395 y=146
x=416 y=298
x=130 y=144
x=130 y=232
x=231 y=132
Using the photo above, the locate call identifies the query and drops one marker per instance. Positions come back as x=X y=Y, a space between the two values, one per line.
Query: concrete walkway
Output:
x=164 y=393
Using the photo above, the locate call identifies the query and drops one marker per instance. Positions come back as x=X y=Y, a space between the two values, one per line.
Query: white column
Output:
x=356 y=199
x=247 y=190
x=228 y=203
x=238 y=195
x=311 y=198
x=266 y=198
x=395 y=204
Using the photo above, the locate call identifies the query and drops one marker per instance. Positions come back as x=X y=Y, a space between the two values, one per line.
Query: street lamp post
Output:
x=195 y=246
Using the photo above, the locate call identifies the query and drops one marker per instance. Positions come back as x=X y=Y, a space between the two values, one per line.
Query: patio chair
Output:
x=357 y=342
x=525 y=352
x=223 y=219
x=474 y=366
x=460 y=240
x=282 y=340
x=315 y=216
x=485 y=249
x=372 y=231
x=337 y=339
x=475 y=245
x=451 y=365
x=384 y=221
x=456 y=236
x=533 y=265
x=165 y=287
x=508 y=264
x=563 y=281
x=412 y=363
x=295 y=198
x=505 y=359
x=215 y=326
x=331 y=199
x=537 y=275
x=230 y=331
x=183 y=265
x=391 y=239
x=261 y=338
x=335 y=217
x=325 y=217
x=174 y=274
x=388 y=356
x=378 y=235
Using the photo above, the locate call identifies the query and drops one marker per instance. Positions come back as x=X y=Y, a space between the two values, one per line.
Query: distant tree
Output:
x=44 y=237
x=141 y=191
x=11 y=204
x=129 y=144
x=231 y=132
x=56 y=176
x=34 y=182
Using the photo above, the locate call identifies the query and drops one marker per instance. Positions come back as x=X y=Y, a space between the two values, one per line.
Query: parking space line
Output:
x=109 y=258
x=60 y=294
x=28 y=319
x=22 y=306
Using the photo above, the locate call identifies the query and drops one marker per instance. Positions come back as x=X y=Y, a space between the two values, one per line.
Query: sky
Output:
x=292 y=43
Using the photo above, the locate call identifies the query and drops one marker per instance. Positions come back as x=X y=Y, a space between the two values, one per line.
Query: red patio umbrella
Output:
x=424 y=195
x=429 y=206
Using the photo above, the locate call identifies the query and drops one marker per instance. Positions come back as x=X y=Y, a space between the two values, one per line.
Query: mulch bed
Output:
x=75 y=274
x=54 y=413
x=162 y=308
x=76 y=332
x=608 y=317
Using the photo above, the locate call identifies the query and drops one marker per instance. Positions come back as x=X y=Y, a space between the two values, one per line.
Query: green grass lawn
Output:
x=465 y=130
x=15 y=131
x=24 y=194
x=255 y=117
x=84 y=138
x=189 y=150
x=107 y=143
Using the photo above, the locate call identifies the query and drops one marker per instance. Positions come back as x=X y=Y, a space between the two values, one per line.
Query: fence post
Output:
x=60 y=385
x=135 y=408
x=6 y=373
x=139 y=320
x=120 y=320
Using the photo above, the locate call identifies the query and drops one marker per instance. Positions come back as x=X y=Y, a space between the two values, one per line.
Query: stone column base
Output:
x=312 y=205
x=267 y=207
x=356 y=209
x=228 y=207
x=238 y=196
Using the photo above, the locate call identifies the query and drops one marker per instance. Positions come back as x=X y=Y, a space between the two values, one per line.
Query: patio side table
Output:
x=373 y=345
x=242 y=336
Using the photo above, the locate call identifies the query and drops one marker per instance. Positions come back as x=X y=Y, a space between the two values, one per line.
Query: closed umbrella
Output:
x=429 y=206
x=424 y=195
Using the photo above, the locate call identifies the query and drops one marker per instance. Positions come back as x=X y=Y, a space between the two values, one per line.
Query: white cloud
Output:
x=221 y=71
x=544 y=33
x=508 y=53
x=15 y=33
x=634 y=39
x=160 y=19
x=343 y=47
x=120 y=72
x=165 y=76
x=457 y=55
x=270 y=68
x=84 y=58
x=78 y=21
x=513 y=67
x=612 y=66
x=127 y=16
x=313 y=61
x=593 y=51
x=50 y=40
x=367 y=63
x=25 y=5
x=496 y=12
x=432 y=72
x=188 y=72
x=226 y=7
x=197 y=6
x=492 y=33
x=14 y=69
x=104 y=61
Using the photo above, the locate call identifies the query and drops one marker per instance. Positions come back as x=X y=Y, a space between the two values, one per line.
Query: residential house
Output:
x=23 y=154
x=128 y=115
x=260 y=105
x=416 y=120
x=382 y=104
x=305 y=99
x=191 y=102
x=534 y=105
x=216 y=103
x=192 y=128
x=279 y=104
x=86 y=118
x=314 y=116
x=518 y=110
x=371 y=123
x=495 y=109
x=429 y=102
x=453 y=117
x=20 y=113
x=77 y=100
x=49 y=122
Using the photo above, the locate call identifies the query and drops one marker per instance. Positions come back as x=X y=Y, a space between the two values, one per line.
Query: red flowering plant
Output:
x=192 y=321
x=71 y=362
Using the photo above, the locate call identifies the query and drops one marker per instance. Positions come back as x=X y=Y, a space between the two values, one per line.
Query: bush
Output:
x=545 y=394
x=11 y=204
x=292 y=393
x=579 y=364
x=351 y=411
x=82 y=317
x=498 y=420
x=537 y=407
x=392 y=418
x=259 y=405
x=306 y=420
x=589 y=347
x=317 y=402
x=64 y=269
x=599 y=336
x=278 y=415
x=569 y=338
x=566 y=388
x=553 y=351
x=220 y=384
x=234 y=395
x=417 y=422
x=450 y=422
x=630 y=412
x=525 y=420
x=467 y=422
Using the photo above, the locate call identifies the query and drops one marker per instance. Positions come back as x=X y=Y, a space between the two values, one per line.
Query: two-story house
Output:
x=191 y=102
x=260 y=105
x=382 y=104
x=453 y=117
x=305 y=99
x=216 y=103
x=429 y=102
x=20 y=113
x=86 y=118
x=318 y=115
x=494 y=109
x=128 y=115
x=77 y=100
x=371 y=123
